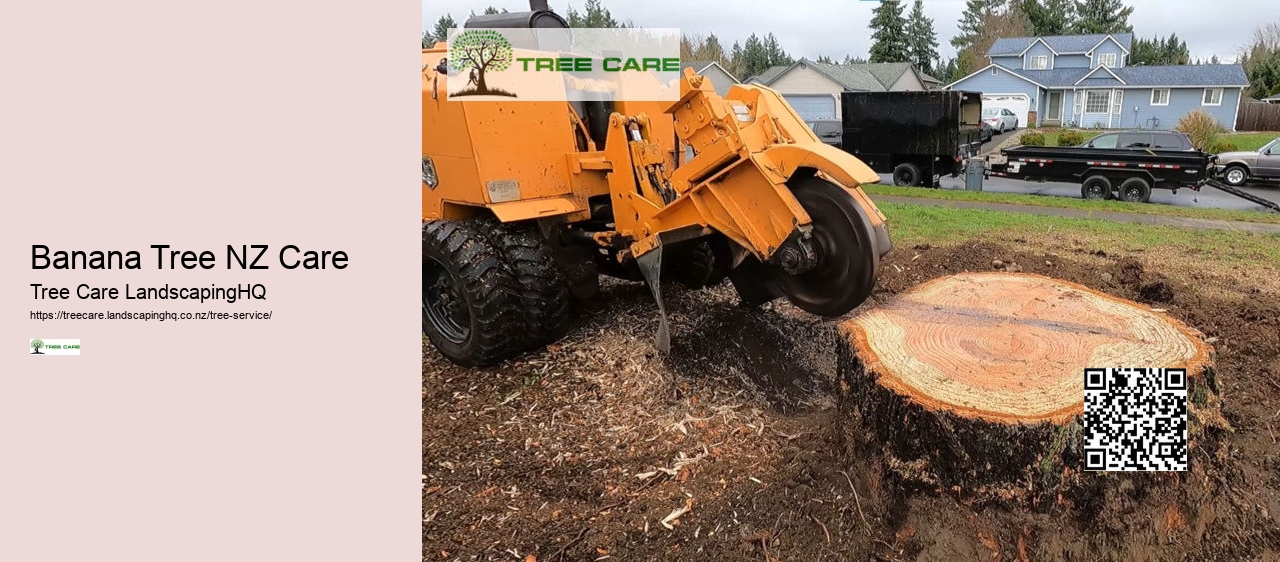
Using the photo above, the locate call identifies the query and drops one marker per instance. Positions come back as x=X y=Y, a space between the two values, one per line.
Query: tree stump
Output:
x=975 y=382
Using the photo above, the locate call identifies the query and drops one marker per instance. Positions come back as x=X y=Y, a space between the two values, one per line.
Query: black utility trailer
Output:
x=1105 y=173
x=918 y=136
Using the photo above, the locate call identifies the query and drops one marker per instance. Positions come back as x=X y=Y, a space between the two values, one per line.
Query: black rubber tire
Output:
x=544 y=291
x=459 y=258
x=906 y=174
x=695 y=266
x=1135 y=190
x=849 y=262
x=1095 y=187
x=1244 y=175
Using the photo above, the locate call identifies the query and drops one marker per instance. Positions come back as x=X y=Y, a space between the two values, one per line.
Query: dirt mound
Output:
x=729 y=448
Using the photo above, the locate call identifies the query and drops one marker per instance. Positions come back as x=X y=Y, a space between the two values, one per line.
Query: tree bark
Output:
x=974 y=383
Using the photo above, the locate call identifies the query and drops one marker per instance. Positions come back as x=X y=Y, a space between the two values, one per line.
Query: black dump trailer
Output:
x=917 y=136
x=1106 y=173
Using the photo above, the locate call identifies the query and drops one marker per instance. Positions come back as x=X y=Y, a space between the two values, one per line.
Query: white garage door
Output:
x=1019 y=104
x=813 y=106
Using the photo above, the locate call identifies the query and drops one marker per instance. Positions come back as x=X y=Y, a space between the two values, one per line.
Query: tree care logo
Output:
x=54 y=347
x=555 y=64
x=476 y=52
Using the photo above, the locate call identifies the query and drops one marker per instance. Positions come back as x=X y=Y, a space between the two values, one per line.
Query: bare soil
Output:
x=583 y=451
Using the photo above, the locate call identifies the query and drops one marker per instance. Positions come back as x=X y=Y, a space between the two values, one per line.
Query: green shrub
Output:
x=1218 y=147
x=1201 y=127
x=1070 y=138
x=1033 y=139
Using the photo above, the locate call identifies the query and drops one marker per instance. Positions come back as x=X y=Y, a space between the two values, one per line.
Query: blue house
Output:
x=1086 y=81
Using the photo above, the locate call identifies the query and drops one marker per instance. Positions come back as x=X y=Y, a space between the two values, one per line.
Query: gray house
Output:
x=1086 y=81
x=720 y=78
x=813 y=88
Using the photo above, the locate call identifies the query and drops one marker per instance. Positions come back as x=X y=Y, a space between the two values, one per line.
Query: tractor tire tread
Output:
x=544 y=291
x=488 y=286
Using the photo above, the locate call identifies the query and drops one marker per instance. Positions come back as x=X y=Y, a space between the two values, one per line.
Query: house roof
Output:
x=1226 y=75
x=700 y=65
x=1060 y=44
x=872 y=77
x=769 y=74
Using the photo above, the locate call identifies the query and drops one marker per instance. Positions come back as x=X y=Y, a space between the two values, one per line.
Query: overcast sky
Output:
x=809 y=28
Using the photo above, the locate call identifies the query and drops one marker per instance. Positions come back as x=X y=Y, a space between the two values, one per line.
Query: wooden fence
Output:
x=1258 y=116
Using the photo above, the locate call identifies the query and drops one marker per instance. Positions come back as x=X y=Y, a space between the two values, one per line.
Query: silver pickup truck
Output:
x=1237 y=168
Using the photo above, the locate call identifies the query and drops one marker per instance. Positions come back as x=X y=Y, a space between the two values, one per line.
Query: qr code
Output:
x=1135 y=419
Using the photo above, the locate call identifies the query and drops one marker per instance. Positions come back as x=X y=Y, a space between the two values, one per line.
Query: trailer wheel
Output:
x=906 y=174
x=1135 y=190
x=470 y=300
x=544 y=291
x=1096 y=187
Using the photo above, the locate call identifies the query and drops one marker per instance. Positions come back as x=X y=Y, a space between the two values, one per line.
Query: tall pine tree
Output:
x=1049 y=17
x=889 y=33
x=973 y=20
x=1103 y=16
x=922 y=40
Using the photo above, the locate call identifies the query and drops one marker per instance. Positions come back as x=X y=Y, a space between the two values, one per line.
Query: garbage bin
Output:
x=974 y=170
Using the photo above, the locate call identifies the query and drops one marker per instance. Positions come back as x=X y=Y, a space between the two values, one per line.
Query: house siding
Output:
x=720 y=79
x=1109 y=46
x=1181 y=102
x=1037 y=49
x=1014 y=61
x=804 y=80
x=1001 y=83
x=907 y=83
x=1071 y=61
x=1100 y=80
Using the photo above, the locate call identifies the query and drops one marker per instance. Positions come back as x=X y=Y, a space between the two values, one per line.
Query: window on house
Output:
x=1097 y=101
x=1040 y=62
x=1160 y=97
x=1212 y=96
x=1107 y=59
x=1117 y=105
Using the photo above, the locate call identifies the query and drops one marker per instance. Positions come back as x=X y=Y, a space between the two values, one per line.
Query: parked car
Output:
x=1237 y=168
x=1162 y=140
x=1000 y=119
x=987 y=132
x=830 y=131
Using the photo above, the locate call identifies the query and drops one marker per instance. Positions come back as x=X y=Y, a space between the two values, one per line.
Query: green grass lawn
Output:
x=1249 y=141
x=1065 y=202
x=913 y=224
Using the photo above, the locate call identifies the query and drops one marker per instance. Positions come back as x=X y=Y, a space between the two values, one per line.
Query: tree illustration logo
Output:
x=36 y=346
x=479 y=51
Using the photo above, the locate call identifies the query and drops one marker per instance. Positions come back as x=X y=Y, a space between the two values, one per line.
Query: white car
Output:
x=1000 y=119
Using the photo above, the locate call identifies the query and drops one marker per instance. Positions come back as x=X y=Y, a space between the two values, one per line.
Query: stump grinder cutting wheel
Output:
x=526 y=203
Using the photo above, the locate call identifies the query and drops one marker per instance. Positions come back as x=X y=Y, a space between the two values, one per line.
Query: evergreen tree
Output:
x=755 y=58
x=1049 y=17
x=922 y=39
x=825 y=59
x=850 y=59
x=736 y=66
x=972 y=21
x=1159 y=51
x=776 y=55
x=889 y=33
x=1103 y=16
x=441 y=29
x=710 y=51
x=594 y=15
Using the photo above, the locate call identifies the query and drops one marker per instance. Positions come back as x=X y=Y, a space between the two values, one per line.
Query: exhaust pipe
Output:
x=538 y=6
